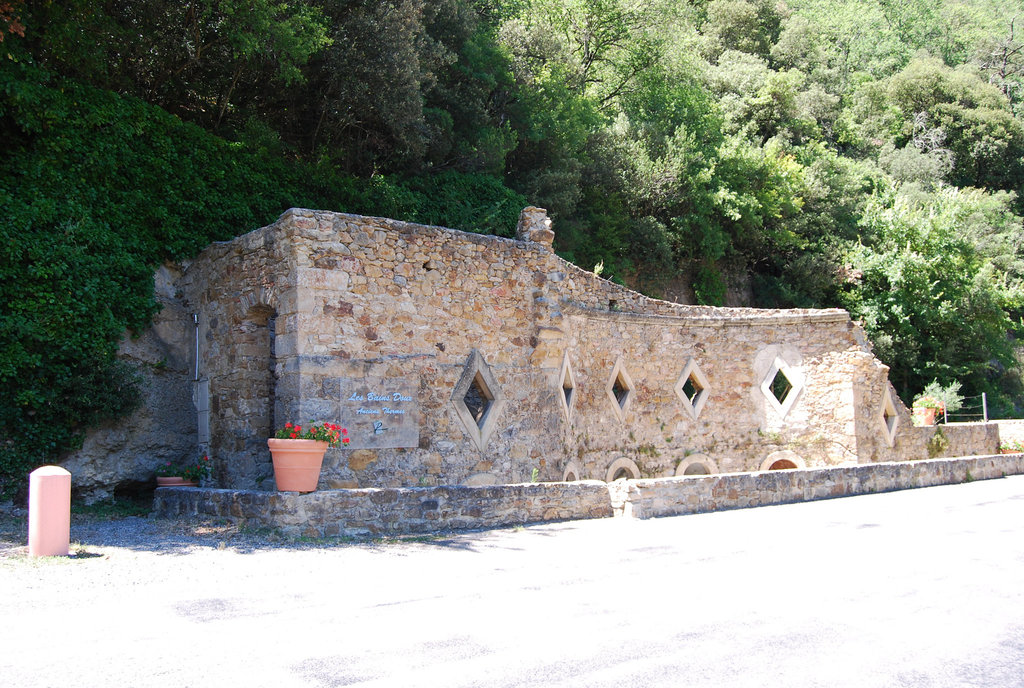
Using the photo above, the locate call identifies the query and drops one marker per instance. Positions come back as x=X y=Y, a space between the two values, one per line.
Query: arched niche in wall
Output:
x=696 y=464
x=782 y=460
x=247 y=385
x=239 y=360
x=571 y=473
x=622 y=468
x=480 y=480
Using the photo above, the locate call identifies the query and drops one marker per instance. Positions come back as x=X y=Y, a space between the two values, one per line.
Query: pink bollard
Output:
x=49 y=512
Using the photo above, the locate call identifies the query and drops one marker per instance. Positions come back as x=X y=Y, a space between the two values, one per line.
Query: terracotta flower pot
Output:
x=174 y=481
x=297 y=463
x=924 y=415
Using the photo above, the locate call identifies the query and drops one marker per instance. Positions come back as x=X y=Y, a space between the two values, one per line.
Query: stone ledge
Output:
x=713 y=316
x=393 y=511
x=699 y=494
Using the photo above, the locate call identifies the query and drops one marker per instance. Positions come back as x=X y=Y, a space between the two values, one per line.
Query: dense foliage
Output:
x=866 y=154
x=96 y=189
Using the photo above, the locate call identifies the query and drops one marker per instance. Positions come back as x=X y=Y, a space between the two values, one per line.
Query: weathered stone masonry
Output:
x=305 y=318
x=463 y=359
x=395 y=511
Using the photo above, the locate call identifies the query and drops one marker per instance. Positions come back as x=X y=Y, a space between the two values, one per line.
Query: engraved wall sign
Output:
x=380 y=412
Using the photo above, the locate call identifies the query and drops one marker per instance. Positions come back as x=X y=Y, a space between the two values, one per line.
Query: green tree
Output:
x=750 y=26
x=974 y=118
x=206 y=61
x=932 y=306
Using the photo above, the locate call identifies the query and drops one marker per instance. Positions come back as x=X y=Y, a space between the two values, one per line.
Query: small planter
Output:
x=297 y=463
x=174 y=481
x=924 y=415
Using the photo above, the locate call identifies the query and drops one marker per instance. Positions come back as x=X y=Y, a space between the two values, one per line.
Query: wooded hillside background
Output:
x=865 y=154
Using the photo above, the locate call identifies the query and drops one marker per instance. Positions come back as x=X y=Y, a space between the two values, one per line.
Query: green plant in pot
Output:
x=936 y=401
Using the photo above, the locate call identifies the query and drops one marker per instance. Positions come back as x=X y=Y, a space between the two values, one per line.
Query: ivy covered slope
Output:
x=97 y=189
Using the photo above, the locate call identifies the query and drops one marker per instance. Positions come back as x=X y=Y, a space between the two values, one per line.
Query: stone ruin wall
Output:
x=353 y=298
x=320 y=306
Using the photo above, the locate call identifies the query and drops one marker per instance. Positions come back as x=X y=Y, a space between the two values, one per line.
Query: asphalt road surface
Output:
x=916 y=588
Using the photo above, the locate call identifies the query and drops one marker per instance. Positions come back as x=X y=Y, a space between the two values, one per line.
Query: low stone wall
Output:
x=690 y=495
x=392 y=511
x=952 y=439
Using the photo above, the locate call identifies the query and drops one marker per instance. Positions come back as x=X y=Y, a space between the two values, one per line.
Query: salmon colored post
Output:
x=49 y=512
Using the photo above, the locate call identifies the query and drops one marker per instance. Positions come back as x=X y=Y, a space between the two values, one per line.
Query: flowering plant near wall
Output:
x=1011 y=447
x=929 y=402
x=189 y=471
x=330 y=433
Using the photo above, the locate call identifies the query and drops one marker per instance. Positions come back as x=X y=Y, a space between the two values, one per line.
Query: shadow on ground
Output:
x=91 y=535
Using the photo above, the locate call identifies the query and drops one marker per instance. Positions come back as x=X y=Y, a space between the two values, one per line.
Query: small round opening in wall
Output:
x=622 y=468
x=784 y=460
x=696 y=464
x=571 y=473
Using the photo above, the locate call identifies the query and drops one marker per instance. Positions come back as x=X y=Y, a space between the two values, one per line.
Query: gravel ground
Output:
x=914 y=589
x=100 y=536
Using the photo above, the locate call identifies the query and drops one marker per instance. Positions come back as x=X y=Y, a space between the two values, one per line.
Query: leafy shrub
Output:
x=948 y=397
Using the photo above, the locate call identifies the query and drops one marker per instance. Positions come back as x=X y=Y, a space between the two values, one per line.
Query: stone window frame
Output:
x=696 y=460
x=692 y=369
x=622 y=463
x=887 y=410
x=796 y=380
x=565 y=374
x=571 y=473
x=619 y=373
x=477 y=370
x=480 y=480
x=783 y=455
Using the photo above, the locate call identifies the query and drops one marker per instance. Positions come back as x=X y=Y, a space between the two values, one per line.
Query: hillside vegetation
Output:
x=866 y=154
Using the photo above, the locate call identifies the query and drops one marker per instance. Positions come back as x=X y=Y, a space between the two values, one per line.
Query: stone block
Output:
x=360 y=459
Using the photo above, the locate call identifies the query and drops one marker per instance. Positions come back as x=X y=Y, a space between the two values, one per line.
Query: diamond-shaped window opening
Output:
x=782 y=386
x=478 y=399
x=889 y=418
x=692 y=388
x=567 y=383
x=620 y=389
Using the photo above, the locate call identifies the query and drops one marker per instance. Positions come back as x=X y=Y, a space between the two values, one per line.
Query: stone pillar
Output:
x=49 y=512
x=535 y=225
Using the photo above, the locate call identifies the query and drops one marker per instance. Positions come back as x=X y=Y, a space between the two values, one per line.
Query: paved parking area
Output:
x=916 y=588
